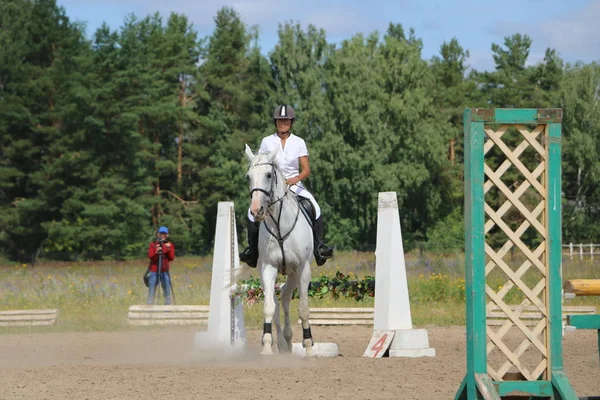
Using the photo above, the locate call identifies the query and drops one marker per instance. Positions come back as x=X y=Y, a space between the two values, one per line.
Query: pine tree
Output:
x=40 y=86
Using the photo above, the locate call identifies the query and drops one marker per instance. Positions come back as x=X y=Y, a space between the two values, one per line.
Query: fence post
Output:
x=571 y=251
x=592 y=251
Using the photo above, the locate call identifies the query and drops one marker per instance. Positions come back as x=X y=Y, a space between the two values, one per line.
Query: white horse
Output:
x=285 y=245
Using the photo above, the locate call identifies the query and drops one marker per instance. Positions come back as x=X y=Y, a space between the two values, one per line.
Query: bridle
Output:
x=271 y=192
x=272 y=201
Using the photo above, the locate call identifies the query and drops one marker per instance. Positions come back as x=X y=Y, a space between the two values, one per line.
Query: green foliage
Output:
x=437 y=288
x=105 y=139
x=340 y=285
x=580 y=96
x=447 y=234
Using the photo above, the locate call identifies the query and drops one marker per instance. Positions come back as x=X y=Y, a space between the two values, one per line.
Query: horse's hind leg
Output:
x=267 y=276
x=304 y=311
x=286 y=298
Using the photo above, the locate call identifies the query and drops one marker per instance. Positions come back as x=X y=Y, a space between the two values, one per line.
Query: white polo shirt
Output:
x=287 y=158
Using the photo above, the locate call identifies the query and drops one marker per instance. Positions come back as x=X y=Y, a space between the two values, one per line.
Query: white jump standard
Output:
x=392 y=304
x=226 y=326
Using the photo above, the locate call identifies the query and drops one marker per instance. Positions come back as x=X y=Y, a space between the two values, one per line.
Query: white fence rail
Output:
x=582 y=250
x=167 y=315
x=28 y=317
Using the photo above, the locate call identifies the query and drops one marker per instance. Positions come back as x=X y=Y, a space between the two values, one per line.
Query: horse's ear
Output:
x=249 y=154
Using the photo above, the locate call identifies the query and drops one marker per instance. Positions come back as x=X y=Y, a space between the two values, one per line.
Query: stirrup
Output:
x=324 y=251
x=322 y=254
x=320 y=261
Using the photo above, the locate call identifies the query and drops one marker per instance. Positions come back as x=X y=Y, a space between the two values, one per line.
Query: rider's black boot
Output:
x=322 y=251
x=250 y=254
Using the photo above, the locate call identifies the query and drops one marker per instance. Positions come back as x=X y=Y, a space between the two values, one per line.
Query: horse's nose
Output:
x=258 y=213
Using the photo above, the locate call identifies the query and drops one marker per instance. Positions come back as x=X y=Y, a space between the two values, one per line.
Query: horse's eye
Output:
x=248 y=177
x=269 y=175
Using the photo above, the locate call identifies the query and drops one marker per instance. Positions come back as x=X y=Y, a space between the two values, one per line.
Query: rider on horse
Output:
x=292 y=160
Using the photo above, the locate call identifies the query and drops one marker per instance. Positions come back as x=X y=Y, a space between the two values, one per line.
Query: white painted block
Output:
x=410 y=339
x=392 y=304
x=411 y=343
x=224 y=319
x=319 y=349
x=412 y=353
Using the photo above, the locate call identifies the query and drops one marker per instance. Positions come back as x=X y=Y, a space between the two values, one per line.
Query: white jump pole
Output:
x=392 y=304
x=226 y=316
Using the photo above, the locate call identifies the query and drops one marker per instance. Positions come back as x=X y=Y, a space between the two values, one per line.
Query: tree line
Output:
x=106 y=138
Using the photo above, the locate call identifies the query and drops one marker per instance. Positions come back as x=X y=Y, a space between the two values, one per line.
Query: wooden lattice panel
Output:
x=515 y=198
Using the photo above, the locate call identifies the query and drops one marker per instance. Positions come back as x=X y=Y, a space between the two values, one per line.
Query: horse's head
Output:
x=264 y=181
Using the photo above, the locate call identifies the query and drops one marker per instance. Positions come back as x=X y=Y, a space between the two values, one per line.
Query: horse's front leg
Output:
x=268 y=274
x=304 y=311
x=286 y=299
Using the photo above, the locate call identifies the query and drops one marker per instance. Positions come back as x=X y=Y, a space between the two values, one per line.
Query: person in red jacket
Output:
x=161 y=252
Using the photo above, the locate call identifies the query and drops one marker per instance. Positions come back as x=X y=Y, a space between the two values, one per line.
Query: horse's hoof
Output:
x=267 y=352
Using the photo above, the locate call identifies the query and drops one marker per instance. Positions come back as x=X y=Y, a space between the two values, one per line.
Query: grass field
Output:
x=95 y=296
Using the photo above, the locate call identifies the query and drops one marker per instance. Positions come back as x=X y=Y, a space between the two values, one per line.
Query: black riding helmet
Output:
x=283 y=111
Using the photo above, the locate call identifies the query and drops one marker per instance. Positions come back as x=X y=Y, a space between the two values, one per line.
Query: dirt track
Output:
x=162 y=365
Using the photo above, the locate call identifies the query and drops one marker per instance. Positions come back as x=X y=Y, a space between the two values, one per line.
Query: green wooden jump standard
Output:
x=484 y=130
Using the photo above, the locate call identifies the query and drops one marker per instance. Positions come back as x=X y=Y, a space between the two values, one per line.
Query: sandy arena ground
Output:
x=163 y=365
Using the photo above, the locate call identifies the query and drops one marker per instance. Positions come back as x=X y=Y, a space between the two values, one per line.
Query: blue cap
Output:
x=163 y=229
